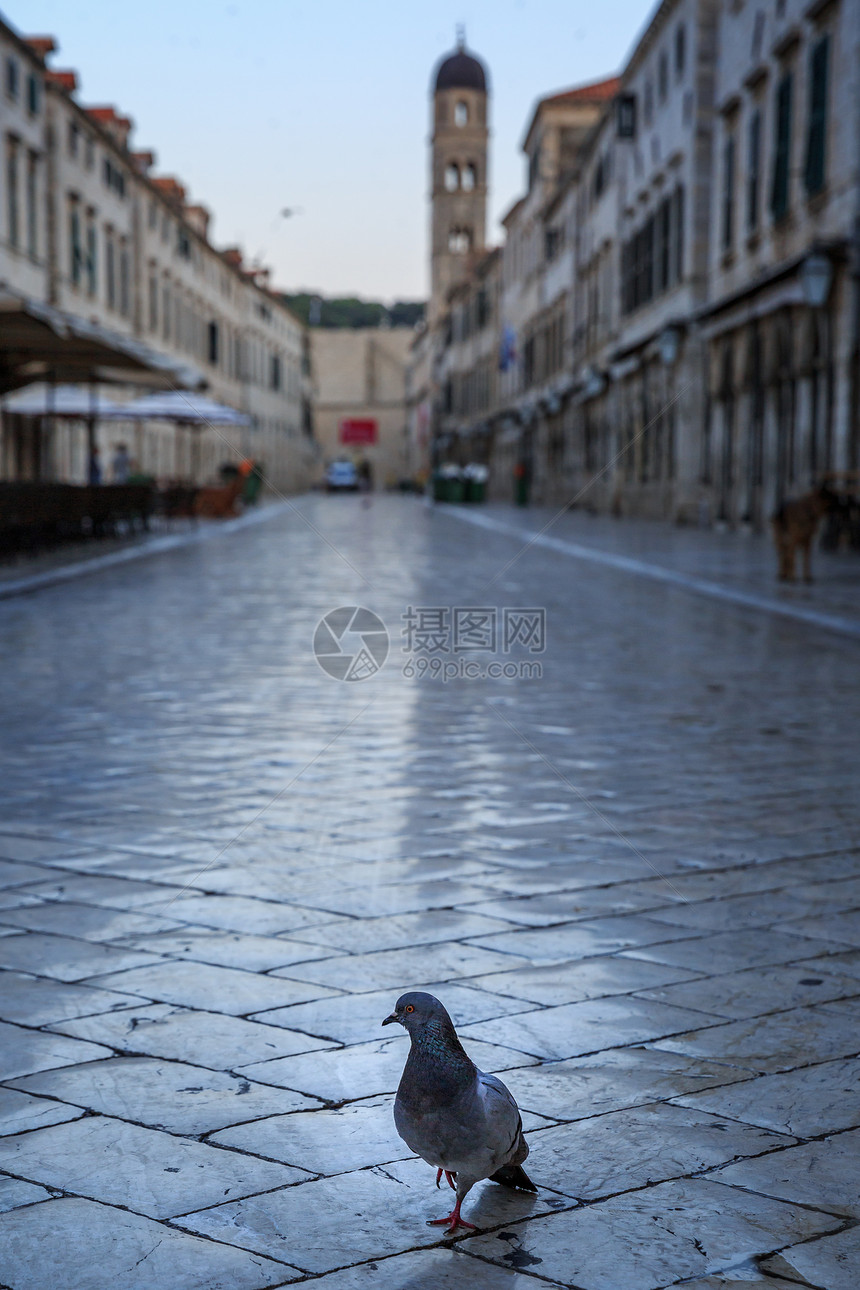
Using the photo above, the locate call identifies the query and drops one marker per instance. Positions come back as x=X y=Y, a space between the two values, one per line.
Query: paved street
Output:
x=626 y=862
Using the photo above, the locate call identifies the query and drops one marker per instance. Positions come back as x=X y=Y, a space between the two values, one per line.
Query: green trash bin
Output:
x=456 y=489
x=253 y=485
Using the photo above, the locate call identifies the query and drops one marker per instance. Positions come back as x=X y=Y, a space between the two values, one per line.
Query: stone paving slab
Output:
x=101 y=1246
x=388 y=969
x=822 y=1174
x=756 y=991
x=581 y=939
x=814 y=1100
x=574 y=1029
x=364 y=1070
x=357 y=1018
x=64 y=958
x=226 y=949
x=23 y=1052
x=441 y=1269
x=779 y=1042
x=734 y=951
x=14 y=1193
x=216 y=1040
x=425 y=928
x=615 y=1078
x=89 y=922
x=140 y=1169
x=588 y=978
x=238 y=914
x=99 y=889
x=215 y=989
x=648 y=1239
x=831 y=1262
x=164 y=1095
x=623 y=1150
x=19 y=1112
x=37 y=1002
x=354 y=1217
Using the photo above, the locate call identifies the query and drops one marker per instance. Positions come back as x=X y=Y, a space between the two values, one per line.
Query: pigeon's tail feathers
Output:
x=513 y=1176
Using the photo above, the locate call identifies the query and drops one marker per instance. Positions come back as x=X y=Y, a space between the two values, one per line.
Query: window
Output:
x=124 y=280
x=153 y=302
x=680 y=50
x=534 y=168
x=165 y=311
x=212 y=343
x=73 y=138
x=12 y=229
x=678 y=232
x=89 y=153
x=816 y=136
x=110 y=268
x=34 y=94
x=153 y=215
x=663 y=76
x=92 y=260
x=275 y=372
x=648 y=105
x=183 y=244
x=626 y=116
x=470 y=177
x=459 y=241
x=32 y=205
x=461 y=114
x=12 y=78
x=664 y=244
x=728 y=222
x=76 y=255
x=753 y=170
x=779 y=194
x=452 y=177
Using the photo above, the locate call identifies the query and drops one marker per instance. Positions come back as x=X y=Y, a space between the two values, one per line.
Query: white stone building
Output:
x=90 y=234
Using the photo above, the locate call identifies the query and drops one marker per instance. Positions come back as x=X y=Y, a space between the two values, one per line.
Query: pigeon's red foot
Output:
x=451 y=1178
x=453 y=1220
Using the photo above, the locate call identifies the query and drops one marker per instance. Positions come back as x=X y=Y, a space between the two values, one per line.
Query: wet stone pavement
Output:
x=634 y=881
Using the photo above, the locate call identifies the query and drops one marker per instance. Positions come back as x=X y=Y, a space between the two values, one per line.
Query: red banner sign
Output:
x=358 y=430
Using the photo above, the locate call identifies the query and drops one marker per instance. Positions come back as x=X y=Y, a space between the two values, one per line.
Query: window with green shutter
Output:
x=782 y=148
x=816 y=137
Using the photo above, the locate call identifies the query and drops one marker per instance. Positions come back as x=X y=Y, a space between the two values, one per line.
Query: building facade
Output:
x=672 y=318
x=89 y=231
x=359 y=391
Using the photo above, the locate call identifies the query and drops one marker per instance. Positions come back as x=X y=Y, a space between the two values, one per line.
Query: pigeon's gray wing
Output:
x=504 y=1123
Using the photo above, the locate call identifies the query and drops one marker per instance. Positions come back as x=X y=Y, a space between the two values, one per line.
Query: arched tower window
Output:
x=461 y=113
x=452 y=177
x=459 y=241
x=470 y=177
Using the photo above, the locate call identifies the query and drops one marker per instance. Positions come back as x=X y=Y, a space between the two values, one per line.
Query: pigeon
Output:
x=462 y=1122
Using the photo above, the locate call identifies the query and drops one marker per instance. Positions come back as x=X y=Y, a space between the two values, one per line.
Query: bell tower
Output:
x=459 y=170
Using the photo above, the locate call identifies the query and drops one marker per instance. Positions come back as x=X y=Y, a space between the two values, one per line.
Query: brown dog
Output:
x=795 y=525
x=218 y=503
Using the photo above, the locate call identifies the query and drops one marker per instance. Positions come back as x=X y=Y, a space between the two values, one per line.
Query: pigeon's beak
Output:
x=388 y=1020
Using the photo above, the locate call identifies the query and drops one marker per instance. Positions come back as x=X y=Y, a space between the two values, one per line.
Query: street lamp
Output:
x=816 y=276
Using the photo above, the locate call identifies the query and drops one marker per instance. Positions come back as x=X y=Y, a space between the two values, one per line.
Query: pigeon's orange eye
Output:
x=409 y=1008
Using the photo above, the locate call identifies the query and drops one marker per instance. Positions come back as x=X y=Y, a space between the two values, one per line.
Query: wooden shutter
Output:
x=782 y=148
x=816 y=139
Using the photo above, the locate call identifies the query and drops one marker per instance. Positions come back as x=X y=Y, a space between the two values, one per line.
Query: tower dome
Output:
x=461 y=71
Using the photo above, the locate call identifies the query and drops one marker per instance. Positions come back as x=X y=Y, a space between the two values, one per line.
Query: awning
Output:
x=38 y=341
x=72 y=401
x=174 y=405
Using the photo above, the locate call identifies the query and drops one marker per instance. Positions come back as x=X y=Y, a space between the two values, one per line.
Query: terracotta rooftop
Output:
x=63 y=80
x=595 y=92
x=41 y=45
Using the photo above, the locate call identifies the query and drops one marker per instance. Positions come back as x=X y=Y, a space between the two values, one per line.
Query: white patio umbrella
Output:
x=174 y=405
x=78 y=401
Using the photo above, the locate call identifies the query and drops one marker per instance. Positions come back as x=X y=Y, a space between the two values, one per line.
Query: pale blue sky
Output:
x=323 y=104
